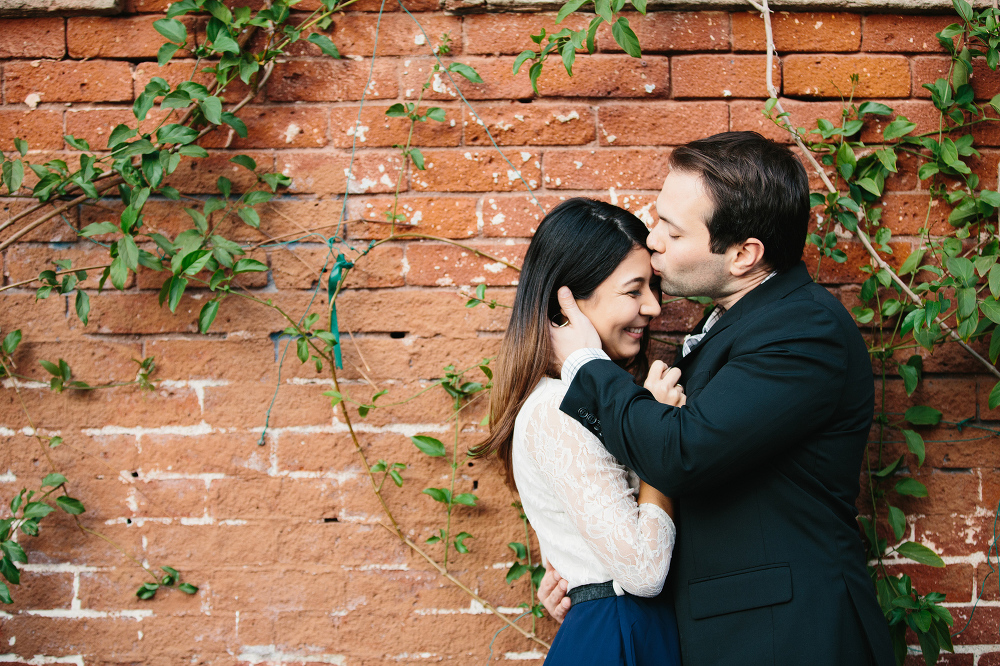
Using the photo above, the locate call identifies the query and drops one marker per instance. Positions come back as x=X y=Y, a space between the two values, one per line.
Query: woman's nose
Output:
x=650 y=305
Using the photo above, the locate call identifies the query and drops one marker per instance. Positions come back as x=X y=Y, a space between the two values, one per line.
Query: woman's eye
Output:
x=635 y=293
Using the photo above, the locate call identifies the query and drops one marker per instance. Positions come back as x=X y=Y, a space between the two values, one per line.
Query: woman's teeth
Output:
x=637 y=330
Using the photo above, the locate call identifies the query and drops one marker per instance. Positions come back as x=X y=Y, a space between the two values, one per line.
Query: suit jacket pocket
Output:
x=740 y=590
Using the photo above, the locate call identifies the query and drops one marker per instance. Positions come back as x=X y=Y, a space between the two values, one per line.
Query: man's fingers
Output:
x=568 y=305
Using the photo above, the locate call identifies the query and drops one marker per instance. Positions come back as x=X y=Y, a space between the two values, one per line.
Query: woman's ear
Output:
x=745 y=257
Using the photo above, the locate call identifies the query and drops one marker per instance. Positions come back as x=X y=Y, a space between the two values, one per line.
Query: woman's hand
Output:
x=662 y=383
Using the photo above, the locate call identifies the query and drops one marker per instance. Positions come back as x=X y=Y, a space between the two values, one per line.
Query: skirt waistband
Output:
x=591 y=592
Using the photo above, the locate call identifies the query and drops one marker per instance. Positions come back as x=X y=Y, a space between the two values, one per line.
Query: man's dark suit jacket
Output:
x=763 y=465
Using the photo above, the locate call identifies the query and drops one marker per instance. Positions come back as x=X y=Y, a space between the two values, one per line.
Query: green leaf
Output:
x=244 y=161
x=964 y=10
x=901 y=126
x=187 y=588
x=603 y=9
x=212 y=108
x=207 y=316
x=119 y=135
x=192 y=151
x=846 y=160
x=324 y=44
x=465 y=71
x=249 y=266
x=910 y=377
x=128 y=252
x=869 y=185
x=897 y=521
x=922 y=415
x=9 y=571
x=175 y=133
x=460 y=542
x=520 y=550
x=888 y=469
x=428 y=445
x=177 y=286
x=258 y=197
x=147 y=591
x=172 y=29
x=77 y=144
x=920 y=553
x=396 y=111
x=468 y=499
x=875 y=108
x=11 y=342
x=625 y=37
x=70 y=505
x=238 y=125
x=911 y=487
x=165 y=53
x=525 y=55
x=13 y=175
x=250 y=216
x=442 y=495
x=915 y=443
x=53 y=480
x=437 y=114
x=224 y=185
x=417 y=157
x=83 y=307
x=565 y=11
x=887 y=156
x=994 y=398
x=21 y=146
x=37 y=510
x=516 y=572
x=13 y=551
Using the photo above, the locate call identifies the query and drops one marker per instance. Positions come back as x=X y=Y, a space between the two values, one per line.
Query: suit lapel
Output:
x=774 y=289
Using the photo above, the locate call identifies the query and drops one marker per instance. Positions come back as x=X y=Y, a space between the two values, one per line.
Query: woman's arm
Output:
x=633 y=540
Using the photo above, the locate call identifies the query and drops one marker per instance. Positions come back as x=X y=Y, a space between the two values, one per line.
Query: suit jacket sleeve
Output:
x=783 y=379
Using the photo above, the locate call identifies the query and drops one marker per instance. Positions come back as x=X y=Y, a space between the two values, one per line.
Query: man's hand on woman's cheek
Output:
x=576 y=333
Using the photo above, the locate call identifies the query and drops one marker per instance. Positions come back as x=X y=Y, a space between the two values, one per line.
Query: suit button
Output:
x=591 y=419
x=581 y=411
x=597 y=428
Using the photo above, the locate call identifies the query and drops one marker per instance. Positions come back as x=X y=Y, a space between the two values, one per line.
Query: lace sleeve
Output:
x=634 y=542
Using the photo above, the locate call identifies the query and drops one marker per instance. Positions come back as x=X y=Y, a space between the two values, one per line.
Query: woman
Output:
x=613 y=546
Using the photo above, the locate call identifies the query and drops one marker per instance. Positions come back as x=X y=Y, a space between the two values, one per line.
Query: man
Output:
x=762 y=462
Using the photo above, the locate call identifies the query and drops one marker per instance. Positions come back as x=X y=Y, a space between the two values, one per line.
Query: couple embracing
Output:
x=701 y=513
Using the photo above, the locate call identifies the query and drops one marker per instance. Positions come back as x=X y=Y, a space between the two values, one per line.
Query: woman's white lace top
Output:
x=581 y=501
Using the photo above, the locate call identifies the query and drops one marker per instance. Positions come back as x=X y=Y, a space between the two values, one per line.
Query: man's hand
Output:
x=578 y=333
x=552 y=594
x=662 y=383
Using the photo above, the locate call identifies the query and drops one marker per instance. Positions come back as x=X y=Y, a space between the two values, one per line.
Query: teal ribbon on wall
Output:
x=331 y=289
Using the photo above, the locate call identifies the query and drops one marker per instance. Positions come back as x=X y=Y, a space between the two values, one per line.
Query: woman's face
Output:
x=623 y=305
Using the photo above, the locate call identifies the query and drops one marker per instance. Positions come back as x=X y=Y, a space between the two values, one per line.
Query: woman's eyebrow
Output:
x=639 y=279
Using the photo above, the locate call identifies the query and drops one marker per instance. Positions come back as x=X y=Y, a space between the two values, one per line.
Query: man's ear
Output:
x=746 y=257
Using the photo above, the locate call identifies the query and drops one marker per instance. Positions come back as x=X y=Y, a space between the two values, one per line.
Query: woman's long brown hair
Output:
x=579 y=245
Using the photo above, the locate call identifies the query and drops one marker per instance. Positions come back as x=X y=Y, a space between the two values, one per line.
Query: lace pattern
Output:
x=587 y=492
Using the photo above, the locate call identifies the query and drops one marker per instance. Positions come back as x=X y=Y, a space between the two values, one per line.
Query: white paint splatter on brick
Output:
x=270 y=654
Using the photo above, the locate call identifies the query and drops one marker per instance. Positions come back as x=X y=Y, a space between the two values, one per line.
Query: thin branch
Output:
x=71 y=270
x=48 y=216
x=862 y=236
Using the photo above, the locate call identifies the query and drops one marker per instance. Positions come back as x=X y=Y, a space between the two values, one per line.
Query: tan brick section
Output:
x=284 y=538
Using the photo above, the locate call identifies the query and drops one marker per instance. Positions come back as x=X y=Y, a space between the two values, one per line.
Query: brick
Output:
x=25 y=262
x=240 y=404
x=298 y=267
x=354 y=34
x=433 y=264
x=375 y=129
x=117 y=37
x=297 y=126
x=747 y=115
x=447 y=217
x=198 y=175
x=52 y=231
x=325 y=173
x=955 y=580
x=499 y=81
x=484 y=171
x=660 y=32
x=41 y=128
x=95 y=125
x=986 y=384
x=517 y=214
x=331 y=80
x=609 y=76
x=421 y=313
x=68 y=81
x=829 y=75
x=903 y=34
x=907 y=213
x=954 y=397
x=831 y=272
x=927 y=69
x=660 y=123
x=535 y=124
x=190 y=546
x=246 y=359
x=94 y=362
x=116 y=636
x=798 y=32
x=722 y=76
x=38 y=320
x=509 y=34
x=41 y=591
x=621 y=168
x=33 y=38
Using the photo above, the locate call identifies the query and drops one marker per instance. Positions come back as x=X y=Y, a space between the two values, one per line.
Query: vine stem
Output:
x=71 y=270
x=862 y=236
x=62 y=209
x=485 y=604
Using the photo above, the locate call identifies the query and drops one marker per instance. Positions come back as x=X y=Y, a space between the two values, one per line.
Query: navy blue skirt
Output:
x=618 y=630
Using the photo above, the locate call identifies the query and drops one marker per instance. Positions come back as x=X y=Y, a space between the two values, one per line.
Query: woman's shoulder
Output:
x=545 y=397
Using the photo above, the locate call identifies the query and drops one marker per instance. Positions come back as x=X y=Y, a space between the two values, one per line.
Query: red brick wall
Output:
x=284 y=539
